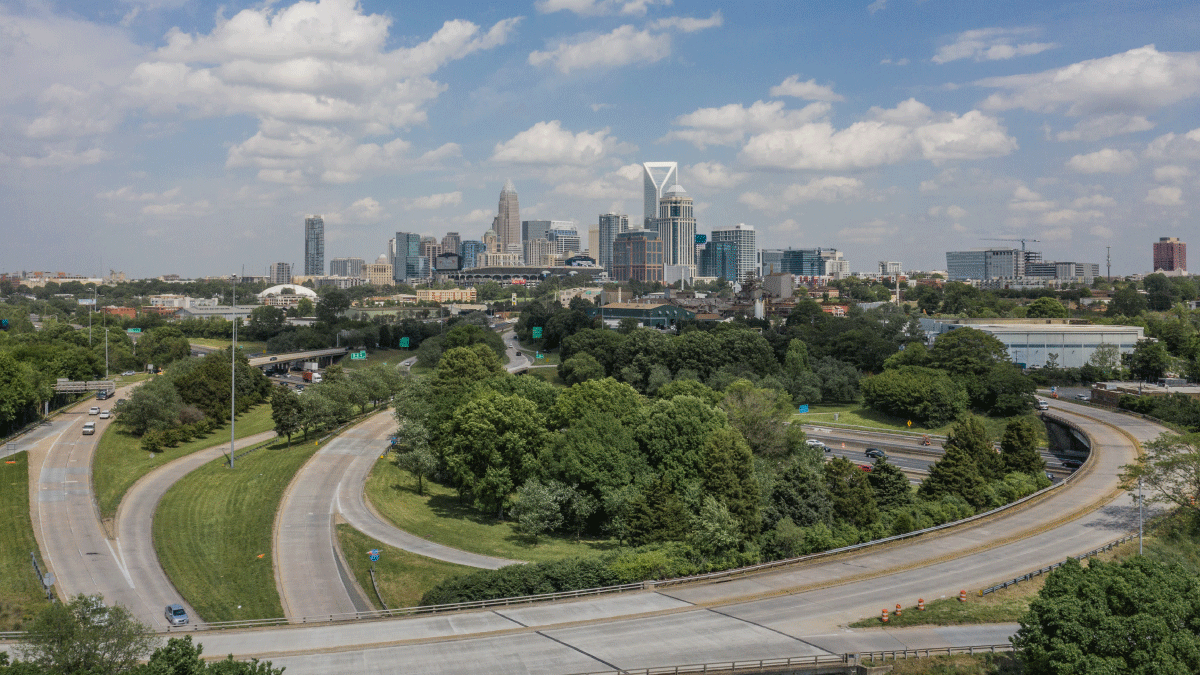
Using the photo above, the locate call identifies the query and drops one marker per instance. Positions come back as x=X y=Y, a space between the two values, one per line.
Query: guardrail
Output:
x=849 y=660
x=875 y=430
x=1046 y=570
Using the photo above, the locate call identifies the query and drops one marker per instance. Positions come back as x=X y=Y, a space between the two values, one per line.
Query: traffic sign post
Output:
x=404 y=343
x=133 y=330
x=537 y=332
x=374 y=553
x=358 y=356
x=803 y=408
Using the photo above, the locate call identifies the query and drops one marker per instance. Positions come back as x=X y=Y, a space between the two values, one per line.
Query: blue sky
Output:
x=165 y=136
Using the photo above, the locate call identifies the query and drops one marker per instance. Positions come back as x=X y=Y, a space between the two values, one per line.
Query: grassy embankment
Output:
x=859 y=415
x=213 y=532
x=403 y=577
x=120 y=462
x=248 y=347
x=438 y=516
x=21 y=595
x=378 y=357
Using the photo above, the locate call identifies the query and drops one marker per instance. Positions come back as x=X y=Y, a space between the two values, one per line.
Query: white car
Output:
x=104 y=414
x=93 y=410
x=1042 y=405
x=814 y=443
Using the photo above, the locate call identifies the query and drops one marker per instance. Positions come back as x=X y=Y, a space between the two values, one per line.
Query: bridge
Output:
x=324 y=356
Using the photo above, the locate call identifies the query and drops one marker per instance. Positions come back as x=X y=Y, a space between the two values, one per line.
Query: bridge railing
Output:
x=1048 y=569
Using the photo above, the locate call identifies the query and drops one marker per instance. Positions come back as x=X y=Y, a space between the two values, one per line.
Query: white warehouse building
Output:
x=1030 y=344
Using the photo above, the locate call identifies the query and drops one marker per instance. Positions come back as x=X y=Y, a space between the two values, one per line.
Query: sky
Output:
x=178 y=137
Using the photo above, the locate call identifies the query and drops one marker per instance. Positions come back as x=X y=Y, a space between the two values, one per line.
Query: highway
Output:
x=794 y=611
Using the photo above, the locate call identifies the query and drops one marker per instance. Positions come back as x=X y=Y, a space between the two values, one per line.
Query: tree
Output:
x=286 y=412
x=1005 y=391
x=929 y=396
x=305 y=307
x=672 y=434
x=181 y=657
x=715 y=530
x=1127 y=302
x=331 y=304
x=1019 y=447
x=1106 y=358
x=798 y=495
x=850 y=493
x=153 y=406
x=1137 y=617
x=163 y=346
x=1161 y=294
x=955 y=474
x=266 y=322
x=967 y=352
x=420 y=463
x=728 y=476
x=657 y=514
x=761 y=415
x=1170 y=469
x=85 y=636
x=580 y=368
x=971 y=435
x=839 y=380
x=1149 y=360
x=538 y=508
x=889 y=485
x=1046 y=308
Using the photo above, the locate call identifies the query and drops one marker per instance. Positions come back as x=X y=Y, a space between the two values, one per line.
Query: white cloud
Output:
x=436 y=201
x=1105 y=126
x=598 y=7
x=729 y=124
x=1101 y=231
x=1173 y=147
x=873 y=232
x=1171 y=173
x=1093 y=201
x=954 y=212
x=713 y=175
x=687 y=24
x=366 y=210
x=896 y=62
x=809 y=91
x=1165 y=195
x=1106 y=160
x=1056 y=234
x=438 y=154
x=297 y=154
x=549 y=143
x=614 y=186
x=990 y=44
x=878 y=5
x=477 y=217
x=63 y=157
x=826 y=189
x=1024 y=199
x=1064 y=216
x=909 y=131
x=625 y=45
x=1137 y=80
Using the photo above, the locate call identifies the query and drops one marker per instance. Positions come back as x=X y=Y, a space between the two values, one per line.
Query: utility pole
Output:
x=233 y=375
x=1108 y=260
x=1140 y=515
x=106 y=353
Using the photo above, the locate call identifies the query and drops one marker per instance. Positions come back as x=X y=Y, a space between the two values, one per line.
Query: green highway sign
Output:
x=133 y=330
x=537 y=332
x=404 y=343
x=359 y=356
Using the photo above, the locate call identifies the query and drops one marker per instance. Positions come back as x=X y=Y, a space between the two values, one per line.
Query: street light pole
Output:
x=1140 y=515
x=233 y=376
x=106 y=353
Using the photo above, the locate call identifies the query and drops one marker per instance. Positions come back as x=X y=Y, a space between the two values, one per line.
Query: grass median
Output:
x=438 y=517
x=859 y=415
x=212 y=532
x=21 y=595
x=120 y=461
x=403 y=577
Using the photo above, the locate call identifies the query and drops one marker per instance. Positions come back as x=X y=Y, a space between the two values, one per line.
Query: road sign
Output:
x=803 y=408
x=374 y=551
x=537 y=332
x=358 y=356
x=910 y=423
x=133 y=330
x=404 y=343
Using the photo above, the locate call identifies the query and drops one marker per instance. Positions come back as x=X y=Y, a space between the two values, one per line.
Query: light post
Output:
x=106 y=353
x=233 y=375
x=1140 y=515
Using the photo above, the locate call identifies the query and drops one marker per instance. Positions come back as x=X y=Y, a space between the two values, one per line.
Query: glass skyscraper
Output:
x=314 y=246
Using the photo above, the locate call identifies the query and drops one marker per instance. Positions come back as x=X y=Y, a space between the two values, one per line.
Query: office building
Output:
x=611 y=224
x=452 y=243
x=564 y=238
x=314 y=246
x=988 y=263
x=378 y=273
x=470 y=251
x=770 y=261
x=346 y=267
x=804 y=262
x=638 y=255
x=747 y=247
x=836 y=267
x=656 y=178
x=1170 y=255
x=539 y=252
x=720 y=259
x=508 y=221
x=593 y=248
x=676 y=226
x=1051 y=270
x=406 y=265
x=536 y=229
x=281 y=273
x=890 y=268
x=430 y=249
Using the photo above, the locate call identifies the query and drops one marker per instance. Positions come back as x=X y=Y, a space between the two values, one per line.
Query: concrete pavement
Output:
x=789 y=612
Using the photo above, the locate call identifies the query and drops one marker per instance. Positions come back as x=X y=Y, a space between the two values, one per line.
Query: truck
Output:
x=310 y=376
x=311 y=365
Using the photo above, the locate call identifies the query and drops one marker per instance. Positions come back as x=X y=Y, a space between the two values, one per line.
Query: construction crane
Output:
x=1020 y=240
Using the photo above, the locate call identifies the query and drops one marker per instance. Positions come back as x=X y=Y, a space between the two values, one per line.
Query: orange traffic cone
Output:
x=920 y=604
x=885 y=616
x=897 y=609
x=962 y=596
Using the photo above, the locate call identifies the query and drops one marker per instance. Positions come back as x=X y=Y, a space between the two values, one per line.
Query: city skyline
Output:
x=146 y=126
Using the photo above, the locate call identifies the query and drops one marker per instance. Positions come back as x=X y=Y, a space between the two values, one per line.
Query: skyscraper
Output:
x=677 y=228
x=508 y=220
x=451 y=243
x=611 y=224
x=1170 y=255
x=314 y=246
x=471 y=250
x=744 y=236
x=281 y=273
x=407 y=264
x=638 y=255
x=656 y=178
x=346 y=267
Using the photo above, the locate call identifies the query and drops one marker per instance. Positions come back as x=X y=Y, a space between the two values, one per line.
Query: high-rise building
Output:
x=314 y=246
x=744 y=236
x=346 y=267
x=564 y=238
x=720 y=259
x=452 y=243
x=430 y=249
x=676 y=226
x=611 y=224
x=638 y=255
x=508 y=220
x=890 y=268
x=593 y=249
x=989 y=263
x=804 y=262
x=378 y=273
x=281 y=273
x=835 y=266
x=656 y=178
x=538 y=252
x=770 y=261
x=407 y=266
x=1170 y=255
x=470 y=251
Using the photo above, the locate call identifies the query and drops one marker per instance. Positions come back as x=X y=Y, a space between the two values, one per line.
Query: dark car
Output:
x=1071 y=463
x=875 y=453
x=176 y=615
x=272 y=358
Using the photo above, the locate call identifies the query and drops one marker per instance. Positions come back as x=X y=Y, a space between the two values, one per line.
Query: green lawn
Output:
x=212 y=532
x=437 y=516
x=119 y=462
x=391 y=357
x=21 y=594
x=858 y=415
x=548 y=374
x=249 y=347
x=403 y=577
x=1000 y=607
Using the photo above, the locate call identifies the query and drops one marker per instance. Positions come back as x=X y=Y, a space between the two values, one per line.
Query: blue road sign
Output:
x=804 y=408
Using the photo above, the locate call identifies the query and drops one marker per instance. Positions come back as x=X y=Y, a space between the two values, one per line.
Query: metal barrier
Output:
x=1046 y=570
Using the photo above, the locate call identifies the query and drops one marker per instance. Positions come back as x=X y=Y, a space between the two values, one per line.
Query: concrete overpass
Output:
x=324 y=356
